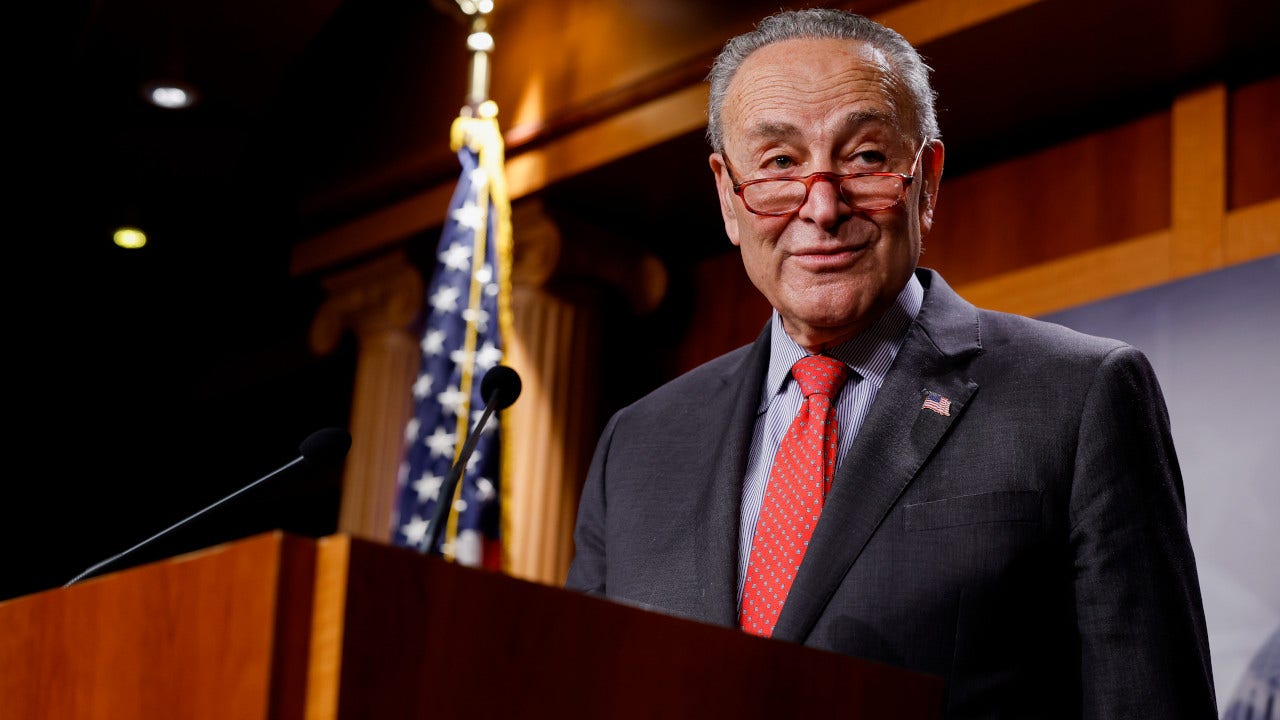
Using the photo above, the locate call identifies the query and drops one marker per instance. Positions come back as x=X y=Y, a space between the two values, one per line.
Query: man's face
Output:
x=803 y=106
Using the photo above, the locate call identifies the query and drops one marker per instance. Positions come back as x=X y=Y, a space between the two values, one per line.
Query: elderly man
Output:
x=887 y=471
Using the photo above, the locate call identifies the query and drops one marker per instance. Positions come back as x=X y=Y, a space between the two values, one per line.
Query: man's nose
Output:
x=824 y=206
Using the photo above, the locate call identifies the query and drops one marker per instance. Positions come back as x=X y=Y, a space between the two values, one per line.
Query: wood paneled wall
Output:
x=1201 y=233
x=1253 y=167
x=1079 y=195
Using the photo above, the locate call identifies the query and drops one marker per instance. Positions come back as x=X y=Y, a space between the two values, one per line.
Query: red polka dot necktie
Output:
x=793 y=499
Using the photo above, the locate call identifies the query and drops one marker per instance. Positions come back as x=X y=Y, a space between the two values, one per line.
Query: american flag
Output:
x=935 y=402
x=465 y=318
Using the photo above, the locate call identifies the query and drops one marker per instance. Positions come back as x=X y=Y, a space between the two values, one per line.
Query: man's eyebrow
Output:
x=772 y=131
x=871 y=117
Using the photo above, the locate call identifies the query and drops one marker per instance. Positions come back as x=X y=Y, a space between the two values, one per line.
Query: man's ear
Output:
x=724 y=190
x=930 y=180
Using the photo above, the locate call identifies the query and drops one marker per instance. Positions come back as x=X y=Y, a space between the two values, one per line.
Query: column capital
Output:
x=384 y=294
x=554 y=247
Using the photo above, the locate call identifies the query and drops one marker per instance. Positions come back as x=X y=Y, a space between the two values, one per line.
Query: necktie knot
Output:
x=819 y=375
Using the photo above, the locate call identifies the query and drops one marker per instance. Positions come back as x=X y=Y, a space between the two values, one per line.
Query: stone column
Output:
x=562 y=270
x=378 y=301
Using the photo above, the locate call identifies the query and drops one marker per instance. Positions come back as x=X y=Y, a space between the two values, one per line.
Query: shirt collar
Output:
x=868 y=354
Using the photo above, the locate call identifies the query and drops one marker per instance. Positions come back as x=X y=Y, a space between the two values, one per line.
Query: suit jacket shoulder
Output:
x=658 y=518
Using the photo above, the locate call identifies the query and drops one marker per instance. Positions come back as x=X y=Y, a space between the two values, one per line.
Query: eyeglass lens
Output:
x=782 y=195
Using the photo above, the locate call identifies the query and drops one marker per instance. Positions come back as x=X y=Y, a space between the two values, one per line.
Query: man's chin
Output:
x=821 y=330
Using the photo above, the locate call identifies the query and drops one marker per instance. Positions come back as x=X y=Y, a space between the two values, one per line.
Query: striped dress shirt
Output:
x=868 y=356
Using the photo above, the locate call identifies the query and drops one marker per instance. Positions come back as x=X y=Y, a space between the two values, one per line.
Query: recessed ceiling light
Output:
x=130 y=238
x=169 y=95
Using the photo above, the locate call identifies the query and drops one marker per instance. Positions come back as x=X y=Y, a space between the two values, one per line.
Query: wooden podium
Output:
x=281 y=627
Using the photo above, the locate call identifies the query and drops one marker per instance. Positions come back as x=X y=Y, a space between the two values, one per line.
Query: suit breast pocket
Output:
x=1005 y=506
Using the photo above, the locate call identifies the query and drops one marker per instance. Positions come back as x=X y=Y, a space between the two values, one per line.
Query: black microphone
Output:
x=319 y=448
x=499 y=387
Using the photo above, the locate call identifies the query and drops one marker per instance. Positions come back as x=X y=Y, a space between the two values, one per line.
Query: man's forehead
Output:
x=846 y=86
x=781 y=57
x=858 y=120
x=814 y=67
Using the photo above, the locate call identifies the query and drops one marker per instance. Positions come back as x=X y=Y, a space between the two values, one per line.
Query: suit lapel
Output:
x=740 y=393
x=895 y=440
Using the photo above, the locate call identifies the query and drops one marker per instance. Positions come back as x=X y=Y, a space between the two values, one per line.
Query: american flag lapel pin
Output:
x=937 y=403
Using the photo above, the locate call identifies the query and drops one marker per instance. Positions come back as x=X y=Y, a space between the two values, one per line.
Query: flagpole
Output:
x=468 y=316
x=480 y=43
x=478 y=109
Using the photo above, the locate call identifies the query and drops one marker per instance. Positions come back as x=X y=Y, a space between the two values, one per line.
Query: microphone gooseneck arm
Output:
x=183 y=521
x=499 y=388
x=450 y=484
x=320 y=447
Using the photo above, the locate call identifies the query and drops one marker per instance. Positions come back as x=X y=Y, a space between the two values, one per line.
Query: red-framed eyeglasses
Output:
x=864 y=191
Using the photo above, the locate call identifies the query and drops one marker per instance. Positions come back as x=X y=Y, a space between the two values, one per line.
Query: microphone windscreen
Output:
x=500 y=387
x=325 y=446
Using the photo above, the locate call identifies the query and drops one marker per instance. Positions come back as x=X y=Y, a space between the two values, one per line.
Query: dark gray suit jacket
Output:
x=1031 y=548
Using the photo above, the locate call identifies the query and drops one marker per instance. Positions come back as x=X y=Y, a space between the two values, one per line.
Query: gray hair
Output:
x=823 y=23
